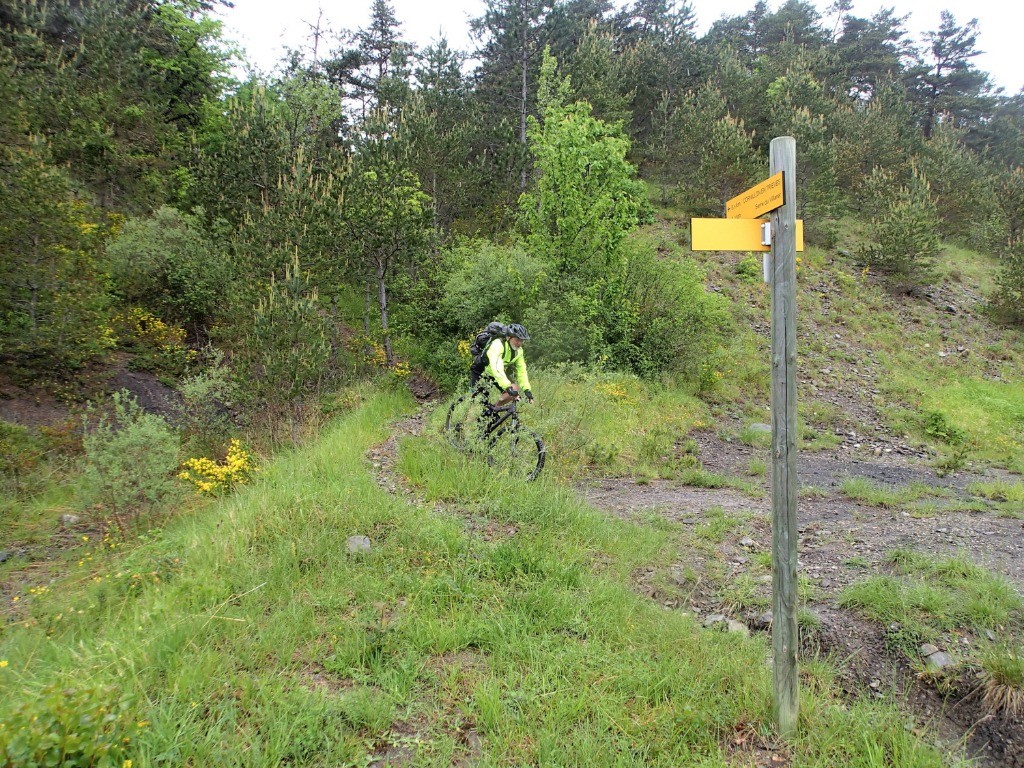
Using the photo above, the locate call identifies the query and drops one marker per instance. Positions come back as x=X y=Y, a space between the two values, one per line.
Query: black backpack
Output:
x=483 y=339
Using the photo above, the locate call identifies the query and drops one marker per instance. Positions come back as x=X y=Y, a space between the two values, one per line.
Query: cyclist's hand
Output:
x=512 y=392
x=529 y=394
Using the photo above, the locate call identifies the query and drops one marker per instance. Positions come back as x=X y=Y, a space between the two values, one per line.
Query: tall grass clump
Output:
x=926 y=596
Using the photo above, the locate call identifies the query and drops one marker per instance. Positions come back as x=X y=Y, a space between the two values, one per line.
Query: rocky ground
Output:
x=841 y=541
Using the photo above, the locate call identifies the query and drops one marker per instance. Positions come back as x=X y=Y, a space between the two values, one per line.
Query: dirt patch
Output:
x=841 y=541
x=152 y=394
x=422 y=387
x=31 y=406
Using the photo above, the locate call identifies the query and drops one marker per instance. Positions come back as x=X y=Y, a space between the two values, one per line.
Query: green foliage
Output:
x=750 y=269
x=286 y=350
x=670 y=323
x=928 y=596
x=586 y=197
x=905 y=232
x=936 y=425
x=207 y=398
x=488 y=282
x=130 y=458
x=882 y=495
x=166 y=264
x=962 y=188
x=703 y=152
x=53 y=301
x=71 y=727
x=20 y=453
x=1008 y=301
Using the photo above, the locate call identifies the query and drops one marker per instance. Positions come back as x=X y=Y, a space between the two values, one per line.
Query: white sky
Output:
x=265 y=27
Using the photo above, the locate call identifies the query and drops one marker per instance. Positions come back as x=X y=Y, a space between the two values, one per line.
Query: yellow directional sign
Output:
x=758 y=200
x=734 y=235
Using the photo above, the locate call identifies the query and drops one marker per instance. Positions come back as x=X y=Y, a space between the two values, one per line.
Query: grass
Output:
x=881 y=495
x=1002 y=669
x=848 y=320
x=247 y=635
x=991 y=413
x=612 y=424
x=925 y=597
x=999 y=491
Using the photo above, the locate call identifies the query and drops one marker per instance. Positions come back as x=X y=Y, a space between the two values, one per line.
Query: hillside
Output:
x=575 y=620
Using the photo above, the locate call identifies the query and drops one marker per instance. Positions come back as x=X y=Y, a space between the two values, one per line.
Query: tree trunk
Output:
x=524 y=65
x=382 y=302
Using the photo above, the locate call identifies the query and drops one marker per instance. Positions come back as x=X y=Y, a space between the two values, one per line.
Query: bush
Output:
x=489 y=282
x=905 y=233
x=673 y=325
x=1008 y=301
x=20 y=453
x=70 y=727
x=206 y=401
x=130 y=458
x=167 y=264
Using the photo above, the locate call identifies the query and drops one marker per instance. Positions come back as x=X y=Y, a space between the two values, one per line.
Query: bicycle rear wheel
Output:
x=464 y=425
x=517 y=452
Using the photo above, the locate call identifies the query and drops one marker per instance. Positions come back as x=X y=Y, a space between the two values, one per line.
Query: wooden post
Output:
x=784 y=436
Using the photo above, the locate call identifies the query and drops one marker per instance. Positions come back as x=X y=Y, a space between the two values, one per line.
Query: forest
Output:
x=372 y=200
x=203 y=274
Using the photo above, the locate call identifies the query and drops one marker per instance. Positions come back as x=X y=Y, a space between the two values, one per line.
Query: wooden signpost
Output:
x=742 y=230
x=758 y=200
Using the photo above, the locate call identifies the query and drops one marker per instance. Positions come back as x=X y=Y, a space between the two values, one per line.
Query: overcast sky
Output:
x=265 y=27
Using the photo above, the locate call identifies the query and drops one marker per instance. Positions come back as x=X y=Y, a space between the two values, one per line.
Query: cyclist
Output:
x=500 y=353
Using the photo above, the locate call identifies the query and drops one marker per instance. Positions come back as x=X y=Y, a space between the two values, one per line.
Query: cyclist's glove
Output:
x=529 y=394
x=512 y=391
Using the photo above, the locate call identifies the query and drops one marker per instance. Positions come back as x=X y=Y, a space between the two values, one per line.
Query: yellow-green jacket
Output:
x=501 y=354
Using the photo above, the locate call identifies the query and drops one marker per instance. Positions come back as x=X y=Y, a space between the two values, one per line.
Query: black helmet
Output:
x=518 y=331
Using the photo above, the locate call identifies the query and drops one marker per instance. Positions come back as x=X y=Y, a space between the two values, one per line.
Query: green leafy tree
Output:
x=438 y=120
x=512 y=39
x=1008 y=300
x=585 y=200
x=947 y=86
x=53 y=297
x=167 y=264
x=703 y=153
x=587 y=196
x=287 y=348
x=872 y=51
x=386 y=214
x=961 y=186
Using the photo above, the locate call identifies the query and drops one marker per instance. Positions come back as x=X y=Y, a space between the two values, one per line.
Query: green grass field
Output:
x=246 y=634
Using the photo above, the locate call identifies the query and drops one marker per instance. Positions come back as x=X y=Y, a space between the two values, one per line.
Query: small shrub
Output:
x=1008 y=301
x=749 y=269
x=206 y=401
x=70 y=727
x=130 y=458
x=905 y=234
x=937 y=426
x=215 y=478
x=1003 y=674
x=20 y=453
x=167 y=264
x=156 y=345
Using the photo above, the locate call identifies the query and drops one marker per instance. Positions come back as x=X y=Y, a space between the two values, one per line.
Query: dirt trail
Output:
x=843 y=541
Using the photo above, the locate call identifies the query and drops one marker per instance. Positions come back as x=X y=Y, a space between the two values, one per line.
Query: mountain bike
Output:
x=474 y=426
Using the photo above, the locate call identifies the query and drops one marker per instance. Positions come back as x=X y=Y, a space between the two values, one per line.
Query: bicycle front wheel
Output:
x=464 y=426
x=516 y=452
